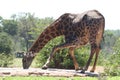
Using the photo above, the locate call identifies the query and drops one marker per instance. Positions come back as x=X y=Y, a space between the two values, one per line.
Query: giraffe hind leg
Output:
x=93 y=50
x=96 y=57
x=58 y=47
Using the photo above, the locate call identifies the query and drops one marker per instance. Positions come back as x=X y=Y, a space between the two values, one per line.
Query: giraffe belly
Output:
x=81 y=41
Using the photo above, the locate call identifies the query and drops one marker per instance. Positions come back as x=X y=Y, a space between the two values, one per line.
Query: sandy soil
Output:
x=48 y=72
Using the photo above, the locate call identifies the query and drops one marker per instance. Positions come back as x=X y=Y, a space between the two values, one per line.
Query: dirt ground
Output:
x=48 y=72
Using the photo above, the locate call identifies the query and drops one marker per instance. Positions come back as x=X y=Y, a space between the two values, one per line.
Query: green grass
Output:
x=58 y=78
x=17 y=62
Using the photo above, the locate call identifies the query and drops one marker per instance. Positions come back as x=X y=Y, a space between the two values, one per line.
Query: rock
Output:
x=47 y=72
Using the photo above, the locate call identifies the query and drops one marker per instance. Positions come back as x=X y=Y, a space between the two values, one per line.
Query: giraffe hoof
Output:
x=79 y=68
x=83 y=71
x=44 y=67
x=91 y=70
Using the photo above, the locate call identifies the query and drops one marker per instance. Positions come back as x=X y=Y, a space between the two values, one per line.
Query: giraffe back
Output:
x=83 y=28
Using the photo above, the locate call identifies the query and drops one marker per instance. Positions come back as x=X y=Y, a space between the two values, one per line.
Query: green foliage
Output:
x=10 y=27
x=5 y=59
x=57 y=78
x=110 y=37
x=82 y=54
x=113 y=65
x=44 y=53
x=41 y=24
x=62 y=59
x=25 y=23
x=1 y=29
x=6 y=44
x=30 y=27
x=116 y=47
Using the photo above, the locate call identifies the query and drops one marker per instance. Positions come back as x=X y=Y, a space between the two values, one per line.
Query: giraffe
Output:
x=78 y=30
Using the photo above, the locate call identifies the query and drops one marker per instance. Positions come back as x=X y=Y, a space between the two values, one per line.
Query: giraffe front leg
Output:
x=45 y=66
x=61 y=46
x=71 y=52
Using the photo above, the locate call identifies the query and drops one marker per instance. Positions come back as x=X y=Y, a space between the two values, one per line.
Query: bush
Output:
x=6 y=44
x=6 y=47
x=44 y=53
x=5 y=60
x=112 y=70
x=62 y=58
x=112 y=67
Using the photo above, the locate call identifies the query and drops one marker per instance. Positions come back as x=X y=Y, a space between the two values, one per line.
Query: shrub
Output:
x=62 y=58
x=44 y=53
x=112 y=67
x=5 y=60
x=6 y=44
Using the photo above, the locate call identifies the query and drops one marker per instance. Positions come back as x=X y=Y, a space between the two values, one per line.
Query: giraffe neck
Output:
x=49 y=33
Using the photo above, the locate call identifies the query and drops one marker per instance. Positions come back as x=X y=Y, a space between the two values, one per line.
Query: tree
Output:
x=113 y=65
x=6 y=44
x=30 y=27
x=10 y=27
x=1 y=29
x=26 y=22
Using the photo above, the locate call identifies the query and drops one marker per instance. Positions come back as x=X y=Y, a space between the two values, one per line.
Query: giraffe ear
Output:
x=24 y=54
x=31 y=54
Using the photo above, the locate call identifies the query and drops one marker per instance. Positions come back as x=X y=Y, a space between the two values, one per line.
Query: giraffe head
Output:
x=27 y=59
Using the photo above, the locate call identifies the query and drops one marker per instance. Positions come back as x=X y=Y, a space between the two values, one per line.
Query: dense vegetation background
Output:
x=19 y=32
